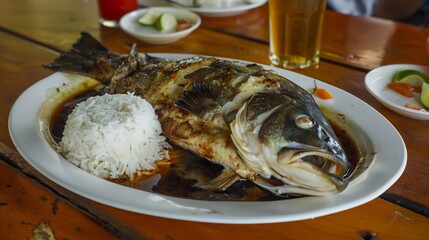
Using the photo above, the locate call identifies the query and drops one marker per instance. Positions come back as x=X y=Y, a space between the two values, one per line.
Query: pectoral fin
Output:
x=221 y=182
x=199 y=99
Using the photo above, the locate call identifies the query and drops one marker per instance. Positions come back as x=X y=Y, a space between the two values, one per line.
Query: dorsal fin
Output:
x=198 y=99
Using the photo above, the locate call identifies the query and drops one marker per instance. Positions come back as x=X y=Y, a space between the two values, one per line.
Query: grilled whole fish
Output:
x=257 y=124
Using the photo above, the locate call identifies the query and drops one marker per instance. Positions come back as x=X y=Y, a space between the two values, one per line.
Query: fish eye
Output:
x=304 y=121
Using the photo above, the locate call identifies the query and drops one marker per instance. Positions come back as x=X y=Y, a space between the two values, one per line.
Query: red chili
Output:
x=404 y=89
x=323 y=94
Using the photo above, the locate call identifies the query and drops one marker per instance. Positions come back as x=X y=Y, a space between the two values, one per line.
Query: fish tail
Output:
x=88 y=57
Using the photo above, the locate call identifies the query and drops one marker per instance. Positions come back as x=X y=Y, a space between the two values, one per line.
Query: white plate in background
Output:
x=209 y=12
x=376 y=83
x=149 y=34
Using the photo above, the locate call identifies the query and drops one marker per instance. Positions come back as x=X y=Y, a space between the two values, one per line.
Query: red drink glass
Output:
x=112 y=10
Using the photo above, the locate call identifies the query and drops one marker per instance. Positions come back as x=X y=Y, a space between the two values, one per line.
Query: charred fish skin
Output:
x=88 y=57
x=255 y=123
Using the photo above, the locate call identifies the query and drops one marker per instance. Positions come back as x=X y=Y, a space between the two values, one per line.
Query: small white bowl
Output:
x=149 y=34
x=376 y=83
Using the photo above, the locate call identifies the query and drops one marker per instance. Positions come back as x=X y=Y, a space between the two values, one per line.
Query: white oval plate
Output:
x=149 y=34
x=209 y=12
x=382 y=138
x=376 y=83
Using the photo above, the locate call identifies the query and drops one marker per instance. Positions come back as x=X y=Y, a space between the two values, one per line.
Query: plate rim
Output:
x=218 y=12
x=200 y=210
x=234 y=9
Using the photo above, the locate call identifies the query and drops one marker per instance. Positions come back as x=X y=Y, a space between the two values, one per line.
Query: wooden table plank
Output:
x=23 y=203
x=39 y=19
x=361 y=42
x=379 y=219
x=366 y=42
x=18 y=70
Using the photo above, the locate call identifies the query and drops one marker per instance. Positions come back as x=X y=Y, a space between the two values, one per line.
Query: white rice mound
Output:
x=113 y=135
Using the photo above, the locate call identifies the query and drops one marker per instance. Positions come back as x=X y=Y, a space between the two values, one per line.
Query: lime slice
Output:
x=411 y=77
x=166 y=23
x=424 y=96
x=149 y=18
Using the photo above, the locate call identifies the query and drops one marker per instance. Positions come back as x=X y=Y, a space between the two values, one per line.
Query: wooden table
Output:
x=33 y=33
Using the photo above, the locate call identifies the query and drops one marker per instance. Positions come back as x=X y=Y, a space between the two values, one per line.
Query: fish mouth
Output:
x=305 y=172
x=324 y=161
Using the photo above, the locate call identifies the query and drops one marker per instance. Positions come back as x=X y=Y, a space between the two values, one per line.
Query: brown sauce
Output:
x=178 y=178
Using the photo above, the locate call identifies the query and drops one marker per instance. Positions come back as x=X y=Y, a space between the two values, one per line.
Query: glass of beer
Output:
x=112 y=10
x=295 y=32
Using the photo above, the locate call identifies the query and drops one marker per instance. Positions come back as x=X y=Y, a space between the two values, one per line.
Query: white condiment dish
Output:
x=376 y=83
x=149 y=34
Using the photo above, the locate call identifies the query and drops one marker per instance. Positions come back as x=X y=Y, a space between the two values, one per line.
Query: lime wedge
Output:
x=149 y=18
x=166 y=23
x=412 y=77
x=424 y=96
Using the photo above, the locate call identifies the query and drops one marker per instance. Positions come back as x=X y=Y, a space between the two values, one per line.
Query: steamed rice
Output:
x=113 y=135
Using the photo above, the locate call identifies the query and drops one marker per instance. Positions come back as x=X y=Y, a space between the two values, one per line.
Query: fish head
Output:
x=291 y=142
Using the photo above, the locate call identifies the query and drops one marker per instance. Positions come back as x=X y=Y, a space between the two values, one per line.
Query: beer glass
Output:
x=295 y=32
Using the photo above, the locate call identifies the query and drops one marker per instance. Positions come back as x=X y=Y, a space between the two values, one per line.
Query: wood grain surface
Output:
x=378 y=218
x=360 y=42
x=33 y=33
